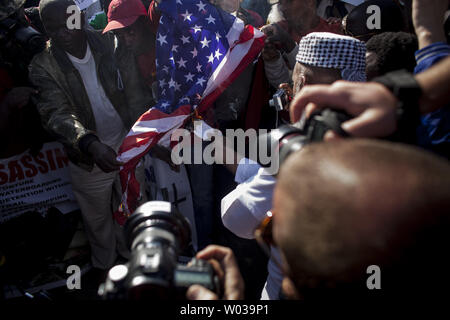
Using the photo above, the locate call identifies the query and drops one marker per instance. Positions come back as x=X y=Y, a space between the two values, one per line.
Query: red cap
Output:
x=123 y=13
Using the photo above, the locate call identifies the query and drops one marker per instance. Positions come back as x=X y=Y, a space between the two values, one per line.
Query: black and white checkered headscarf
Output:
x=329 y=50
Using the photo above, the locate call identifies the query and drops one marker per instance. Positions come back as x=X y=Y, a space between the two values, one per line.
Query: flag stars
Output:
x=177 y=87
x=189 y=77
x=172 y=83
x=194 y=52
x=181 y=63
x=186 y=99
x=184 y=39
x=161 y=39
x=200 y=81
x=201 y=6
x=187 y=16
x=174 y=48
x=165 y=69
x=199 y=67
x=218 y=36
x=162 y=83
x=164 y=105
x=211 y=58
x=197 y=29
x=205 y=42
x=218 y=54
x=210 y=19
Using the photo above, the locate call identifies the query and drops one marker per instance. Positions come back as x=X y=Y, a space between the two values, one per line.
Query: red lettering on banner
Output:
x=50 y=160
x=61 y=158
x=29 y=167
x=15 y=171
x=43 y=164
x=3 y=175
x=26 y=163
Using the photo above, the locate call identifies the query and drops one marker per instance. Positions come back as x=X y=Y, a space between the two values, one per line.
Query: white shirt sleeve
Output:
x=245 y=207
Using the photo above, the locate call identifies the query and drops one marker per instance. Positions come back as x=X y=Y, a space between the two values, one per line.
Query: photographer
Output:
x=245 y=207
x=333 y=218
x=419 y=109
x=376 y=109
x=19 y=42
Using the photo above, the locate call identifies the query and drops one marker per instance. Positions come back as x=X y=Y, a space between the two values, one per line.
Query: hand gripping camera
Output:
x=291 y=138
x=279 y=100
x=156 y=234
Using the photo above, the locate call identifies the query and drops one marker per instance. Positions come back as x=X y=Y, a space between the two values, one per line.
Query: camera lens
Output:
x=156 y=233
x=157 y=220
x=31 y=39
x=280 y=143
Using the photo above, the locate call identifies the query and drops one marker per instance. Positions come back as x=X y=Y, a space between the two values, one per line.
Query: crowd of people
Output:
x=375 y=192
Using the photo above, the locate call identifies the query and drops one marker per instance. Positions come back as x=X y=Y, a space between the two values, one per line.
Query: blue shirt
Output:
x=433 y=132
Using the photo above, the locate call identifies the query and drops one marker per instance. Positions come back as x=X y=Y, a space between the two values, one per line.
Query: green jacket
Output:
x=63 y=103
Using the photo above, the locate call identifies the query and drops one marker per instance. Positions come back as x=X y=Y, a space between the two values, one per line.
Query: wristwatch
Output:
x=406 y=89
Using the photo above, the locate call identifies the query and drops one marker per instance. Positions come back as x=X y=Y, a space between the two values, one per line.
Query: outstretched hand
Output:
x=225 y=266
x=104 y=156
x=276 y=39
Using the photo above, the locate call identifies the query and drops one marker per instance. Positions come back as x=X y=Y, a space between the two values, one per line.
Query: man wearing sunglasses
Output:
x=318 y=62
x=341 y=207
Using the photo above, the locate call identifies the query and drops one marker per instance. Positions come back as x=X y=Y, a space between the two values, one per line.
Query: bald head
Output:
x=340 y=207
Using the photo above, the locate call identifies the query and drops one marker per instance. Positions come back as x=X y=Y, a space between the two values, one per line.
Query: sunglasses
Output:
x=264 y=237
x=263 y=234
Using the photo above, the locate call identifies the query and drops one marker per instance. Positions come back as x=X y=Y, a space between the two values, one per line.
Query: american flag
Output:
x=200 y=50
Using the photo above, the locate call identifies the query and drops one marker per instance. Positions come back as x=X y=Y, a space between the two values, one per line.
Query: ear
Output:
x=303 y=80
x=299 y=84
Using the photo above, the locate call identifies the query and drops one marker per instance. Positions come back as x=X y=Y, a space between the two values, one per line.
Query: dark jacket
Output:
x=63 y=103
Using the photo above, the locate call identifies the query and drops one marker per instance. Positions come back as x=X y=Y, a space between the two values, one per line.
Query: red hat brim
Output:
x=120 y=23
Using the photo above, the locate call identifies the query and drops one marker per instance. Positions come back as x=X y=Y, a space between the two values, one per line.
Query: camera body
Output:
x=156 y=234
x=287 y=139
x=279 y=100
x=29 y=39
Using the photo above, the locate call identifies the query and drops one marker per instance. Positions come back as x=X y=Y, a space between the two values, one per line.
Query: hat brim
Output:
x=120 y=23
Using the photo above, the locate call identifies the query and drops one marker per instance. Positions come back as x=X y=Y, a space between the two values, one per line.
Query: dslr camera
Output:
x=156 y=234
x=12 y=28
x=287 y=139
